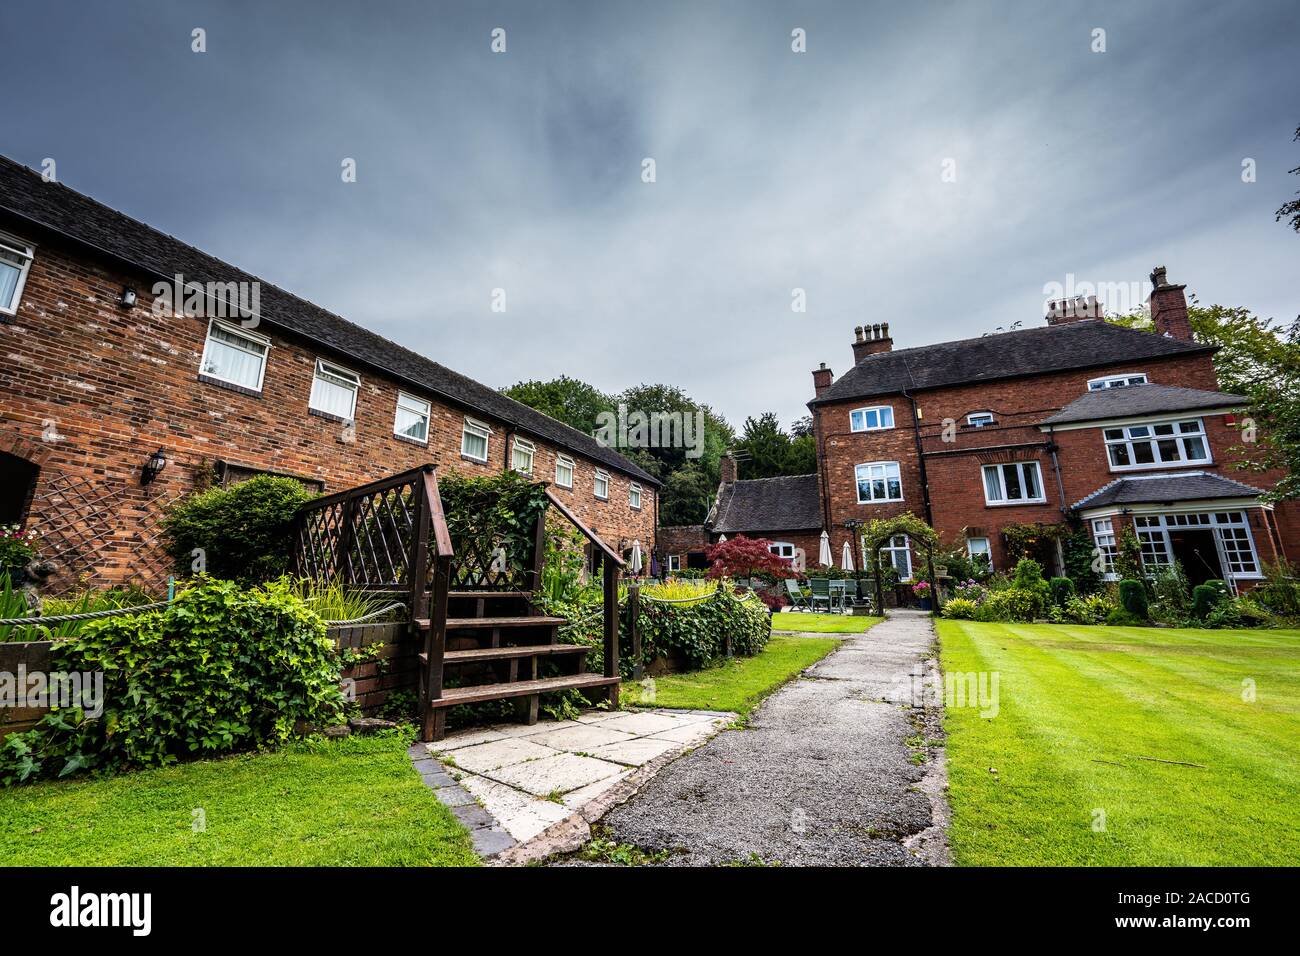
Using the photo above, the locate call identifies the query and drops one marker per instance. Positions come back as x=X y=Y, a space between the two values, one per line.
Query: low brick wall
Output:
x=392 y=667
x=25 y=658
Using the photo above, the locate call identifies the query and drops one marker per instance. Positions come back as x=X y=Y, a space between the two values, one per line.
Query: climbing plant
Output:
x=879 y=530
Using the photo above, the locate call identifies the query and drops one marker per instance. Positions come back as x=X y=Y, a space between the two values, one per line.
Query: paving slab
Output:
x=581 y=737
x=635 y=752
x=644 y=723
x=554 y=775
x=521 y=815
x=499 y=753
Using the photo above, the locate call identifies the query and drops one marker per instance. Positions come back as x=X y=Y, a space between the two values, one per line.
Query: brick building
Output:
x=95 y=380
x=1078 y=421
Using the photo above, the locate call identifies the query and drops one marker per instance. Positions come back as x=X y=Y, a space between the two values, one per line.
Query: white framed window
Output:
x=15 y=260
x=334 y=390
x=412 y=418
x=979 y=549
x=521 y=457
x=474 y=440
x=898 y=552
x=1015 y=482
x=979 y=419
x=1121 y=380
x=601 y=485
x=878 y=481
x=1103 y=533
x=674 y=563
x=634 y=495
x=1159 y=443
x=1233 y=540
x=234 y=355
x=1155 y=543
x=564 y=471
x=872 y=419
x=782 y=549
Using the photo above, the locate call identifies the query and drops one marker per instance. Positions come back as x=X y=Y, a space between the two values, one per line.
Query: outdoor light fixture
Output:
x=153 y=467
x=128 y=297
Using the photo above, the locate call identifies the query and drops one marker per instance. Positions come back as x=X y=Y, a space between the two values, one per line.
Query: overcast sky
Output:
x=775 y=170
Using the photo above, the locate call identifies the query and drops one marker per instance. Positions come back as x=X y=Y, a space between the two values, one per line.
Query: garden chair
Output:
x=839 y=595
x=797 y=598
x=821 y=592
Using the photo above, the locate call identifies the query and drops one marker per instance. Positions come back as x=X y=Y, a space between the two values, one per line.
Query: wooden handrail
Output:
x=433 y=501
x=609 y=553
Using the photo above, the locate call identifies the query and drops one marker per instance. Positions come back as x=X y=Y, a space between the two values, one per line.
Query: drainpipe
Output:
x=505 y=460
x=920 y=460
x=1052 y=448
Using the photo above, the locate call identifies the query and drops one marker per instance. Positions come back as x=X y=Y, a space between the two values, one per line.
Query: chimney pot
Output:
x=857 y=333
x=875 y=338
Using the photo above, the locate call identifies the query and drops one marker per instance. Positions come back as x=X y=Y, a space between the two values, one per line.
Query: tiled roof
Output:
x=1178 y=486
x=54 y=206
x=1087 y=343
x=1132 y=400
x=792 y=503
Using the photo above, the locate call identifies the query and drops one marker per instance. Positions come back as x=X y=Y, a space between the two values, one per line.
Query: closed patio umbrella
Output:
x=824 y=553
x=846 y=558
x=636 y=557
x=721 y=538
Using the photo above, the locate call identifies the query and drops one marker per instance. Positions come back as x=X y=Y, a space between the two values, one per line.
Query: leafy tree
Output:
x=687 y=496
x=768 y=452
x=565 y=399
x=1259 y=359
x=742 y=557
x=1291 y=210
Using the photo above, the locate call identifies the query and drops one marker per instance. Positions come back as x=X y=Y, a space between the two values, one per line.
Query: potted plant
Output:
x=921 y=589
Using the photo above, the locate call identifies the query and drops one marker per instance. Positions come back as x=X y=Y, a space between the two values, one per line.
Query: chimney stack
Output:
x=727 y=468
x=870 y=340
x=1169 y=307
x=821 y=379
x=1061 y=311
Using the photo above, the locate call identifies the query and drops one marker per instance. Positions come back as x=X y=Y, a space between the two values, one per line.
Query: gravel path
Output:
x=822 y=776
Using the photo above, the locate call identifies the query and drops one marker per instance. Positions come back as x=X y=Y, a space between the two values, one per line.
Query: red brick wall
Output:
x=115 y=384
x=953 y=468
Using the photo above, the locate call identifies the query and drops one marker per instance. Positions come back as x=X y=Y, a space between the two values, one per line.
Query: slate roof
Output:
x=90 y=223
x=1086 y=343
x=792 y=503
x=1141 y=400
x=1178 y=486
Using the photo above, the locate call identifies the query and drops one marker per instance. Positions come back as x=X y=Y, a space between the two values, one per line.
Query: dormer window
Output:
x=1117 y=381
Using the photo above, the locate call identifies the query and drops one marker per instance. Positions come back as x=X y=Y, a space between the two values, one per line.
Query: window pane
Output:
x=1143 y=454
x=1139 y=431
x=871 y=419
x=877 y=488
x=1011 y=476
x=895 y=488
x=1195 y=448
x=1115 y=434
x=1167 y=429
x=327 y=395
x=1031 y=481
x=411 y=424
x=230 y=357
x=1169 y=449
x=886 y=418
x=1119 y=455
x=474 y=445
x=1192 y=427
x=992 y=487
x=9 y=274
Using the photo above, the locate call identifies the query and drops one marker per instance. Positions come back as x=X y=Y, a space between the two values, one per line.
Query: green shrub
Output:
x=1088 y=609
x=1062 y=591
x=1122 y=618
x=219 y=669
x=1080 y=557
x=492 y=511
x=1133 y=599
x=1239 y=612
x=1206 y=597
x=1128 y=555
x=1280 y=590
x=245 y=531
x=961 y=609
x=1012 y=604
x=1171 y=595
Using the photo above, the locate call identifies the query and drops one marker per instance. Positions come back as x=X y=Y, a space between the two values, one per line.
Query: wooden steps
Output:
x=536 y=620
x=489 y=594
x=505 y=653
x=520 y=688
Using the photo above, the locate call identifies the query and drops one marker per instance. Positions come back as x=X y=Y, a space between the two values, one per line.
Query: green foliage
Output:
x=334 y=602
x=245 y=531
x=217 y=670
x=769 y=452
x=961 y=566
x=1128 y=556
x=1241 y=612
x=962 y=609
x=1028 y=540
x=17 y=547
x=1122 y=618
x=1062 y=591
x=697 y=632
x=1280 y=591
x=1086 y=609
x=1012 y=604
x=565 y=399
x=1133 y=599
x=13 y=603
x=493 y=511
x=1080 y=555
x=1171 y=595
x=742 y=557
x=1206 y=597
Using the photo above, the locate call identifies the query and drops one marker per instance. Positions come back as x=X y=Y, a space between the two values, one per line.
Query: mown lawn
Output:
x=821 y=623
x=353 y=802
x=1079 y=707
x=738 y=684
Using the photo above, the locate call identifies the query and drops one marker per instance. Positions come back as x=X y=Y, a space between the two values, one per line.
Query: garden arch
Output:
x=880 y=530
